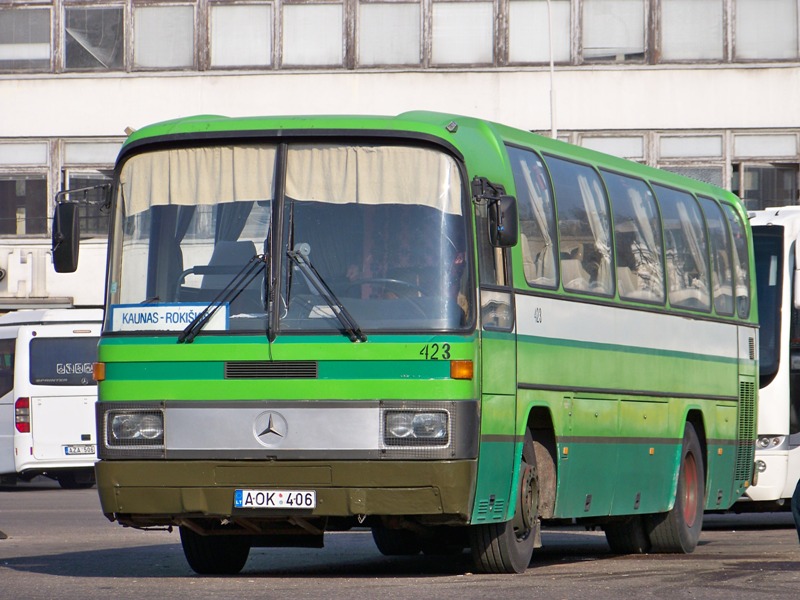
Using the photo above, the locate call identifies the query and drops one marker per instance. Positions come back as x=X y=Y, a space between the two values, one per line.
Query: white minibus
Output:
x=48 y=395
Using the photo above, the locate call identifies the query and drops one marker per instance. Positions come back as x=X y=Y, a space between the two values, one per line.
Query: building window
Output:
x=613 y=30
x=25 y=39
x=630 y=147
x=763 y=185
x=163 y=37
x=709 y=174
x=528 y=31
x=766 y=29
x=23 y=204
x=692 y=30
x=241 y=35
x=312 y=34
x=463 y=33
x=94 y=38
x=389 y=33
x=94 y=216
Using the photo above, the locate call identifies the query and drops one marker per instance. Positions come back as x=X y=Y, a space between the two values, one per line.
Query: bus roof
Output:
x=468 y=136
x=51 y=316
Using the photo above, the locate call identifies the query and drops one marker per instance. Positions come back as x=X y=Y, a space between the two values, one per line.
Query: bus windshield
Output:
x=768 y=250
x=383 y=226
x=62 y=361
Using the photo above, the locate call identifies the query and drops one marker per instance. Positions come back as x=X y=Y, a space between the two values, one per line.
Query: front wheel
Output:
x=678 y=530
x=508 y=547
x=214 y=554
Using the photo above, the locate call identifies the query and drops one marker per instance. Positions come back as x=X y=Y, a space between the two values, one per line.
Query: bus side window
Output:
x=741 y=262
x=686 y=247
x=536 y=217
x=7 y=365
x=583 y=226
x=719 y=239
x=637 y=239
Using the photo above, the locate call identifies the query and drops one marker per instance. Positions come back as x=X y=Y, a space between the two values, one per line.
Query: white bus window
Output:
x=536 y=217
x=583 y=227
x=721 y=268
x=62 y=361
x=686 y=250
x=740 y=261
x=6 y=366
x=637 y=239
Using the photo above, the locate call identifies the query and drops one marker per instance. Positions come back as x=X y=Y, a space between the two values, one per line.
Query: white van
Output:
x=48 y=395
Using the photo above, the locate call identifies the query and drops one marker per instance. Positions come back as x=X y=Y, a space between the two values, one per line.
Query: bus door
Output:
x=498 y=376
x=55 y=362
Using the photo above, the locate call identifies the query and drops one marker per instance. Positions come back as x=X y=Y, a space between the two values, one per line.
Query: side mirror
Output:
x=66 y=237
x=503 y=230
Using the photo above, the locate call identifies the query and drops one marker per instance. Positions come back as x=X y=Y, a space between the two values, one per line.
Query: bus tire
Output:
x=76 y=480
x=396 y=542
x=627 y=536
x=507 y=547
x=678 y=530
x=214 y=554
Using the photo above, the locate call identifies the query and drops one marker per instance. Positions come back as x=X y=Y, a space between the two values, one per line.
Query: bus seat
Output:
x=234 y=256
x=573 y=275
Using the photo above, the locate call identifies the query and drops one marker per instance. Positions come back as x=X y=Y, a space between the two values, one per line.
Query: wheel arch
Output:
x=695 y=417
x=540 y=424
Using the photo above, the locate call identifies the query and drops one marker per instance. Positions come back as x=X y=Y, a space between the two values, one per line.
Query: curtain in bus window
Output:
x=719 y=240
x=595 y=205
x=535 y=216
x=374 y=175
x=583 y=226
x=637 y=238
x=197 y=176
x=686 y=245
x=740 y=261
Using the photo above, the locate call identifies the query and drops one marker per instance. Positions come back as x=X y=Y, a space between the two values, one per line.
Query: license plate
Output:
x=302 y=499
x=79 y=449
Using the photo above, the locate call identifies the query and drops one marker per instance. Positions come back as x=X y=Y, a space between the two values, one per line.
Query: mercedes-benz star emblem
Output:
x=270 y=428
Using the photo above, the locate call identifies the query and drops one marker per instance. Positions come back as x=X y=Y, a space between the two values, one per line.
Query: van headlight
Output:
x=416 y=428
x=135 y=428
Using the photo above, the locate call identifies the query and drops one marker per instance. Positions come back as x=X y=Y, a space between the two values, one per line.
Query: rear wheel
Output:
x=396 y=542
x=507 y=547
x=214 y=554
x=76 y=480
x=678 y=530
x=628 y=536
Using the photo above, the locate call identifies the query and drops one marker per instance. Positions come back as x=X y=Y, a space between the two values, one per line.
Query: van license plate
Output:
x=79 y=449
x=302 y=499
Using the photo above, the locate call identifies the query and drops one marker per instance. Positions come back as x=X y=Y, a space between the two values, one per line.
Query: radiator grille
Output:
x=745 y=448
x=263 y=369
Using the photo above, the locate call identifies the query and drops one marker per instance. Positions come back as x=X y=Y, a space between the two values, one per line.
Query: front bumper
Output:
x=159 y=492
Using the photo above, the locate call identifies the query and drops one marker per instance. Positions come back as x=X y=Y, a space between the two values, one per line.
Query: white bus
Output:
x=48 y=396
x=776 y=232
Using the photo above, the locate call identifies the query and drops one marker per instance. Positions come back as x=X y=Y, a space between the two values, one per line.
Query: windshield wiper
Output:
x=349 y=324
x=229 y=293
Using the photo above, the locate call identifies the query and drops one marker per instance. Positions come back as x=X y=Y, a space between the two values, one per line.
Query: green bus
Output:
x=441 y=328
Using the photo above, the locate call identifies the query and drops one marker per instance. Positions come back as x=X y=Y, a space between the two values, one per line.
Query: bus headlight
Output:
x=769 y=442
x=411 y=428
x=138 y=428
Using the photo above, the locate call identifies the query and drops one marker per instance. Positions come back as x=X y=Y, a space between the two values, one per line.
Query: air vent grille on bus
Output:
x=745 y=449
x=752 y=344
x=279 y=369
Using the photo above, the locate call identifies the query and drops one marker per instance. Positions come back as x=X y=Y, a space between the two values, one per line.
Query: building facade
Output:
x=709 y=88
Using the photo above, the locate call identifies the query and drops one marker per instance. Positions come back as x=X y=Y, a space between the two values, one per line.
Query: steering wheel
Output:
x=404 y=289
